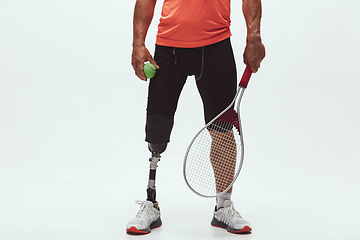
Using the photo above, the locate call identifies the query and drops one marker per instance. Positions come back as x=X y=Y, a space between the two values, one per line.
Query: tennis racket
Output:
x=215 y=155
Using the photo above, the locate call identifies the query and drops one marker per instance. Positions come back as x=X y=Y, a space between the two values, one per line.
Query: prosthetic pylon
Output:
x=151 y=189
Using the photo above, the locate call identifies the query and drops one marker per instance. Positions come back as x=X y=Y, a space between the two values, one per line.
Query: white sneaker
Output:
x=146 y=219
x=228 y=218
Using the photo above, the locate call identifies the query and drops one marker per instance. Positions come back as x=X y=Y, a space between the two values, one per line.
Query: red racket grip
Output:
x=245 y=77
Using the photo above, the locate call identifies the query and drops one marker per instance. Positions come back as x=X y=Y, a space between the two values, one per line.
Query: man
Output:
x=193 y=39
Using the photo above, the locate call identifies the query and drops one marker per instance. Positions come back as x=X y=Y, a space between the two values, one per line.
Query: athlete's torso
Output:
x=193 y=23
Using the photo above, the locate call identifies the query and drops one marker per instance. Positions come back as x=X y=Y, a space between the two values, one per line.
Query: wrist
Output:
x=253 y=37
x=138 y=42
x=137 y=45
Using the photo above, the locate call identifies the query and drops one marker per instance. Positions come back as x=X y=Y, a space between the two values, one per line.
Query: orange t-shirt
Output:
x=193 y=23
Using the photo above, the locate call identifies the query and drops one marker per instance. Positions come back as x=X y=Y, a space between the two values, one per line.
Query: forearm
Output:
x=252 y=12
x=143 y=14
x=254 y=50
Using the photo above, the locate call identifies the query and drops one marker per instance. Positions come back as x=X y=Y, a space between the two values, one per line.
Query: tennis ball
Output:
x=149 y=70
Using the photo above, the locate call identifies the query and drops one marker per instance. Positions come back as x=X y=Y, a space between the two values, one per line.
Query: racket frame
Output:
x=239 y=94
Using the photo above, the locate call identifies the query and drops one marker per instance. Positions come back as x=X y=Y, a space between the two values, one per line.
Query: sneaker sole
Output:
x=245 y=229
x=217 y=223
x=134 y=230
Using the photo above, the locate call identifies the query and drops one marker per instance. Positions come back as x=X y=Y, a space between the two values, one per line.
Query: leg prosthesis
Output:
x=156 y=149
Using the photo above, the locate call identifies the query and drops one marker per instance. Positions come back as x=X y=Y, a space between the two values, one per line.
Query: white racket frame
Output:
x=239 y=94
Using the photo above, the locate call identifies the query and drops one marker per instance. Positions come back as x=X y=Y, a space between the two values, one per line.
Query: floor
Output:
x=96 y=206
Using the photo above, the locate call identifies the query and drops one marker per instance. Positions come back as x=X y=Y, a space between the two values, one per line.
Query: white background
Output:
x=72 y=152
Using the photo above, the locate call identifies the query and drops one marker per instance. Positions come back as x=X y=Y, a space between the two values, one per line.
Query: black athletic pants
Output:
x=215 y=74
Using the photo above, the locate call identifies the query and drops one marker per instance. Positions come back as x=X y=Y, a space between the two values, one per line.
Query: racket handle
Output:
x=245 y=77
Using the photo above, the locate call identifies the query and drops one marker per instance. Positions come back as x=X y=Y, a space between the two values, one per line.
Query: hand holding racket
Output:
x=214 y=157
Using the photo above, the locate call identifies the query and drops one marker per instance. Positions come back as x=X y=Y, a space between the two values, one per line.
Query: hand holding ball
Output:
x=149 y=70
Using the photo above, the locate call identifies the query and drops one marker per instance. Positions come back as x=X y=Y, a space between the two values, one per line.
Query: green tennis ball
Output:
x=149 y=70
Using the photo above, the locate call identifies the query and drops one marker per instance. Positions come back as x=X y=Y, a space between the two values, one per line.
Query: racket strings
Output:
x=214 y=158
x=223 y=156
